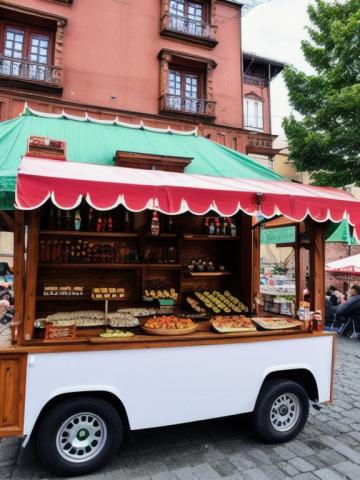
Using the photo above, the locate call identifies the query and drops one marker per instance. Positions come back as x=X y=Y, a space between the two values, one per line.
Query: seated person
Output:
x=350 y=309
x=332 y=297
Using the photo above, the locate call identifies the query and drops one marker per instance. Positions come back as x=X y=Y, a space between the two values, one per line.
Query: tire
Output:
x=78 y=436
x=281 y=411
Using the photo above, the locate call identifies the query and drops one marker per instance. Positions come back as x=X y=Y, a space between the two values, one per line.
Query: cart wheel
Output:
x=281 y=411
x=79 y=435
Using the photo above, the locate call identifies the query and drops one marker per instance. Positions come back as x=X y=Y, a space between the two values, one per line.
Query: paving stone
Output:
x=284 y=453
x=339 y=447
x=205 y=472
x=327 y=474
x=223 y=467
x=299 y=448
x=241 y=461
x=273 y=472
x=290 y=470
x=301 y=464
x=355 y=435
x=255 y=474
x=259 y=457
x=349 y=469
x=306 y=476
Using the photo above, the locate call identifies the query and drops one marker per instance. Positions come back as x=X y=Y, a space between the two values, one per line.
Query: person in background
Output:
x=350 y=309
x=332 y=298
x=336 y=292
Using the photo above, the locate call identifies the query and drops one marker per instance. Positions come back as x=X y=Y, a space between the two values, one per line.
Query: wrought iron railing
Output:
x=195 y=106
x=189 y=26
x=33 y=71
x=259 y=82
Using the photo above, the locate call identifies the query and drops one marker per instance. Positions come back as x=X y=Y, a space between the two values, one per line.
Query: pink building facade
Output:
x=165 y=62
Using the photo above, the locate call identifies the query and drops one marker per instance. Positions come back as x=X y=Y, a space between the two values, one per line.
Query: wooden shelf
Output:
x=208 y=274
x=166 y=266
x=65 y=233
x=114 y=266
x=160 y=236
x=190 y=236
x=52 y=298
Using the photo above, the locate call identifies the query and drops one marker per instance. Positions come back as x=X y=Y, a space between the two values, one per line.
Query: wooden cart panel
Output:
x=12 y=393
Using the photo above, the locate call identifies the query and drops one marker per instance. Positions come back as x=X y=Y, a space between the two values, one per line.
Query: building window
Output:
x=190 y=20
x=183 y=91
x=253 y=114
x=26 y=53
x=186 y=84
x=188 y=17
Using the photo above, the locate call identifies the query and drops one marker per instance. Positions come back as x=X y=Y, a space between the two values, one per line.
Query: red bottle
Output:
x=99 y=224
x=155 y=224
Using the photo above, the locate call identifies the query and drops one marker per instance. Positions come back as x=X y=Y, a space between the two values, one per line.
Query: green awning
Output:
x=96 y=141
x=335 y=233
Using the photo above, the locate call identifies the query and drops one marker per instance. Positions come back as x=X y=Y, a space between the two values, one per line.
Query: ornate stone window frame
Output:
x=208 y=65
x=58 y=25
x=208 y=40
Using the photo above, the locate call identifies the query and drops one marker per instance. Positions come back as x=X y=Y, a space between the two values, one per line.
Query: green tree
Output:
x=325 y=138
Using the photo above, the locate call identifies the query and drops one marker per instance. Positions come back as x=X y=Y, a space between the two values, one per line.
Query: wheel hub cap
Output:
x=285 y=412
x=81 y=437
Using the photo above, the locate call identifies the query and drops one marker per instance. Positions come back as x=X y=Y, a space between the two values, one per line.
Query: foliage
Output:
x=325 y=138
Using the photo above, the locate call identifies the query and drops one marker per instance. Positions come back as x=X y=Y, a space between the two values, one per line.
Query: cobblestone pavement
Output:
x=327 y=449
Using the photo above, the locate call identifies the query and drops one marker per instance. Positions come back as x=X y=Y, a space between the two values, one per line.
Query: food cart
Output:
x=135 y=297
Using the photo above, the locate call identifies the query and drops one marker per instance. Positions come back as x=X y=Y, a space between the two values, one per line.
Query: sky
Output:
x=275 y=29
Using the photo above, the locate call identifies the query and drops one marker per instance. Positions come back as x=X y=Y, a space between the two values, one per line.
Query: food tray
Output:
x=172 y=331
x=233 y=330
x=263 y=323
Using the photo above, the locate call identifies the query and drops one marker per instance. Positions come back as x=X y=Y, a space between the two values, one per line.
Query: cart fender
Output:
x=78 y=389
x=294 y=372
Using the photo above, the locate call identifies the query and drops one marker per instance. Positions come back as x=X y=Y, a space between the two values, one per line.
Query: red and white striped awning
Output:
x=105 y=187
x=348 y=266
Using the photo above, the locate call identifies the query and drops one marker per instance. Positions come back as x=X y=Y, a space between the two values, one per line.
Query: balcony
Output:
x=26 y=74
x=185 y=28
x=175 y=104
x=261 y=144
x=257 y=81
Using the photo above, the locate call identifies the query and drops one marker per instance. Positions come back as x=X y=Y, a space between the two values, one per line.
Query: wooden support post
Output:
x=317 y=266
x=19 y=276
x=256 y=259
x=300 y=267
x=245 y=266
x=31 y=274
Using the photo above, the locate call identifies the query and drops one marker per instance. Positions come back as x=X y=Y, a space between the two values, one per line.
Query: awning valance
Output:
x=105 y=187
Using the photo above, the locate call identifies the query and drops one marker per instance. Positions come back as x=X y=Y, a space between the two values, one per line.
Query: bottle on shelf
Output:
x=99 y=224
x=217 y=226
x=170 y=224
x=77 y=221
x=90 y=219
x=233 y=229
x=205 y=229
x=59 y=219
x=68 y=221
x=211 y=227
x=155 y=225
x=228 y=227
x=110 y=224
x=127 y=223
x=223 y=227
